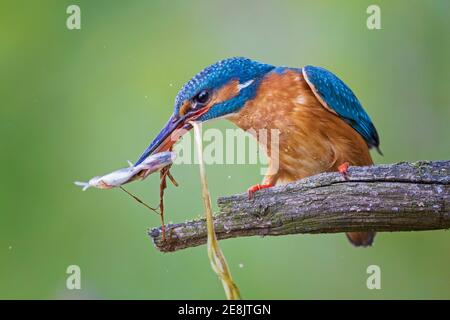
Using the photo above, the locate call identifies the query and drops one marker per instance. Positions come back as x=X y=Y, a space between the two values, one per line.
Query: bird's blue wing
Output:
x=338 y=98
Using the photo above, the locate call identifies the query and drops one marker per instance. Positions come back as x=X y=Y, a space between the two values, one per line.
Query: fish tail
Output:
x=84 y=185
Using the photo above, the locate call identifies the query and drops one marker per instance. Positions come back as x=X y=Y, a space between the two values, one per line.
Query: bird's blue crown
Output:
x=218 y=74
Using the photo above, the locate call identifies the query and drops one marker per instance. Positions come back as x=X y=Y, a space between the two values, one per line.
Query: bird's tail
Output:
x=361 y=239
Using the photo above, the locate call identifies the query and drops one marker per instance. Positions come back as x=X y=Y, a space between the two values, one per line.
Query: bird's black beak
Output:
x=174 y=129
x=171 y=133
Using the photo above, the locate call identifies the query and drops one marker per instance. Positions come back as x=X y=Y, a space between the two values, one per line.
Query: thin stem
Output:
x=216 y=257
x=139 y=200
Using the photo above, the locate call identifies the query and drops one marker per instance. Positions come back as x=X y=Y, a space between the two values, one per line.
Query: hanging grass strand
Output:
x=216 y=257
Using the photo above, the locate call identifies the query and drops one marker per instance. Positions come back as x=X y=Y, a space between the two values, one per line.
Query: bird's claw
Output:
x=257 y=187
x=343 y=169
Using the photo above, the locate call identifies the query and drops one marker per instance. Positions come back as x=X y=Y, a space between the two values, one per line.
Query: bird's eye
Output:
x=201 y=98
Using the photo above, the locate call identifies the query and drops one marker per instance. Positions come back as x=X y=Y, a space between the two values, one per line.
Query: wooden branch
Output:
x=395 y=197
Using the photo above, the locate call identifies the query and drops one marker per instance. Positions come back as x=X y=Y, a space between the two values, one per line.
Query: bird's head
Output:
x=215 y=92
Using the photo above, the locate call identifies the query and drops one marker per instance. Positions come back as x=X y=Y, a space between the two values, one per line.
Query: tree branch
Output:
x=395 y=197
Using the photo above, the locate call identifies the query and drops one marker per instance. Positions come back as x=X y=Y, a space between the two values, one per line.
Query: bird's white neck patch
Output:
x=245 y=84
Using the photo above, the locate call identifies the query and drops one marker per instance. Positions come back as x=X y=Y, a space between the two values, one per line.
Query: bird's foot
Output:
x=343 y=169
x=257 y=187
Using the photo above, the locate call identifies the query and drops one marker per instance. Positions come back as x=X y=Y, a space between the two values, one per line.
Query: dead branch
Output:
x=394 y=197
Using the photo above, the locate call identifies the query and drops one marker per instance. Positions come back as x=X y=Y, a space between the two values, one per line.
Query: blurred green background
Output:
x=78 y=103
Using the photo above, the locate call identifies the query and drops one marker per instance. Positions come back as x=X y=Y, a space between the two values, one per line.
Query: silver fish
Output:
x=122 y=176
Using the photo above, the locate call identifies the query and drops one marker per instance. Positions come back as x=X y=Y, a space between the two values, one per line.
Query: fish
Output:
x=117 y=178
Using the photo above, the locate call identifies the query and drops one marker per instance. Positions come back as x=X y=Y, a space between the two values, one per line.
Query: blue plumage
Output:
x=340 y=98
x=218 y=74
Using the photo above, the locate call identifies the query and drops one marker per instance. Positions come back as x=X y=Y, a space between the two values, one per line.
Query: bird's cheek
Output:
x=185 y=107
x=226 y=92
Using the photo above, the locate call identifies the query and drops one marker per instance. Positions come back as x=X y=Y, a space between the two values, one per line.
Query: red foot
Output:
x=343 y=169
x=253 y=189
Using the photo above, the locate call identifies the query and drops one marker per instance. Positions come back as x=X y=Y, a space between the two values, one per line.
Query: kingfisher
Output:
x=322 y=126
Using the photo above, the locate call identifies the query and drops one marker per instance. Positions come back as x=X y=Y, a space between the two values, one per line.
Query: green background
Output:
x=78 y=103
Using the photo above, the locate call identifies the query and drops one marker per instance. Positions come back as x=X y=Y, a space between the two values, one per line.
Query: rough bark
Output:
x=395 y=197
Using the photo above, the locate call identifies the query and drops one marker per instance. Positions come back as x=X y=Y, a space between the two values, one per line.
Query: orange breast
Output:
x=311 y=138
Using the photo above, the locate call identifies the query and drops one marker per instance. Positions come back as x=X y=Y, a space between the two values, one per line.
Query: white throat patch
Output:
x=245 y=84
